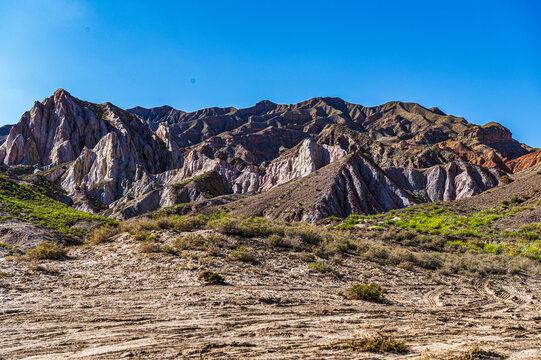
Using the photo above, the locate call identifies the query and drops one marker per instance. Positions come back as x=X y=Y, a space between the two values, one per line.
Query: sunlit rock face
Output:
x=106 y=148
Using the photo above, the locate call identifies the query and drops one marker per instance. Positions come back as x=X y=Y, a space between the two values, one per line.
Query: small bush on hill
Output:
x=47 y=250
x=320 y=267
x=103 y=233
x=210 y=277
x=378 y=344
x=242 y=253
x=365 y=291
x=506 y=180
x=149 y=246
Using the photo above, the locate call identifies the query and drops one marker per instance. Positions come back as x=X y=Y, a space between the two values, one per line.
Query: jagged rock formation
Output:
x=355 y=184
x=107 y=148
x=4 y=132
x=124 y=163
x=259 y=133
x=200 y=188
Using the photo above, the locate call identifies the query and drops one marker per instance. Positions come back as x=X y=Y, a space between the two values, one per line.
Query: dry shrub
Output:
x=103 y=234
x=47 y=250
x=243 y=254
x=149 y=246
x=210 y=277
x=378 y=343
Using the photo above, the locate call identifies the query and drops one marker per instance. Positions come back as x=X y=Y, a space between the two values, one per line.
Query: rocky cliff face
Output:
x=355 y=184
x=106 y=149
x=358 y=159
x=261 y=133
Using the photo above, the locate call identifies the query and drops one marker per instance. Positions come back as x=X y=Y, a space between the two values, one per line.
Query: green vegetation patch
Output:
x=365 y=291
x=47 y=250
x=24 y=203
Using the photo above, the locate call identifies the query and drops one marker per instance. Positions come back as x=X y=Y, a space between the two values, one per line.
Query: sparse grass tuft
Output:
x=378 y=344
x=475 y=353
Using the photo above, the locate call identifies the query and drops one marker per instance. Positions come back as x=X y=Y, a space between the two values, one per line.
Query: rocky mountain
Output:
x=99 y=149
x=4 y=132
x=355 y=184
x=329 y=156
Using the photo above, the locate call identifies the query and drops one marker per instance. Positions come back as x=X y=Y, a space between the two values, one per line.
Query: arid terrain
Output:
x=317 y=230
x=116 y=299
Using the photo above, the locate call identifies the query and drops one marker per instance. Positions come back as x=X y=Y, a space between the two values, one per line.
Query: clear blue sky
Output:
x=477 y=59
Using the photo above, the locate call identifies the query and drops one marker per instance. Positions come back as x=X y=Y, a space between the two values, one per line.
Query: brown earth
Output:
x=111 y=301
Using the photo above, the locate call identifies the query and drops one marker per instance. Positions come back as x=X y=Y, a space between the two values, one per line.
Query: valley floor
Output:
x=110 y=301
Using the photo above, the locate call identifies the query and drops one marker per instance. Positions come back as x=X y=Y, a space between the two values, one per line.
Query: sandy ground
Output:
x=111 y=301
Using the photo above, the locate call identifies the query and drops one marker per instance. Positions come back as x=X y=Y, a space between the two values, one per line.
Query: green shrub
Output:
x=169 y=249
x=190 y=242
x=242 y=253
x=506 y=180
x=210 y=277
x=320 y=267
x=365 y=291
x=47 y=250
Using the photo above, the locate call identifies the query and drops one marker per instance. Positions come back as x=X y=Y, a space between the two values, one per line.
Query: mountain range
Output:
x=300 y=162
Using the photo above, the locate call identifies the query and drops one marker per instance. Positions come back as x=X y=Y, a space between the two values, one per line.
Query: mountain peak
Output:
x=61 y=92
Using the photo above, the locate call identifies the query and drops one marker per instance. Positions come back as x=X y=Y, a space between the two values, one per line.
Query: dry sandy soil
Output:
x=110 y=301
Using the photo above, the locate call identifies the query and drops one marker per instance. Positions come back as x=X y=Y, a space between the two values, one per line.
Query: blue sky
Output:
x=477 y=59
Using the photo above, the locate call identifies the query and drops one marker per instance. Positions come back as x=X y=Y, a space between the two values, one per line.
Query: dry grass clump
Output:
x=209 y=242
x=306 y=257
x=190 y=242
x=506 y=180
x=365 y=291
x=405 y=257
x=169 y=249
x=413 y=238
x=245 y=227
x=150 y=246
x=243 y=254
x=473 y=353
x=103 y=234
x=331 y=246
x=285 y=242
x=47 y=250
x=482 y=264
x=139 y=229
x=378 y=343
